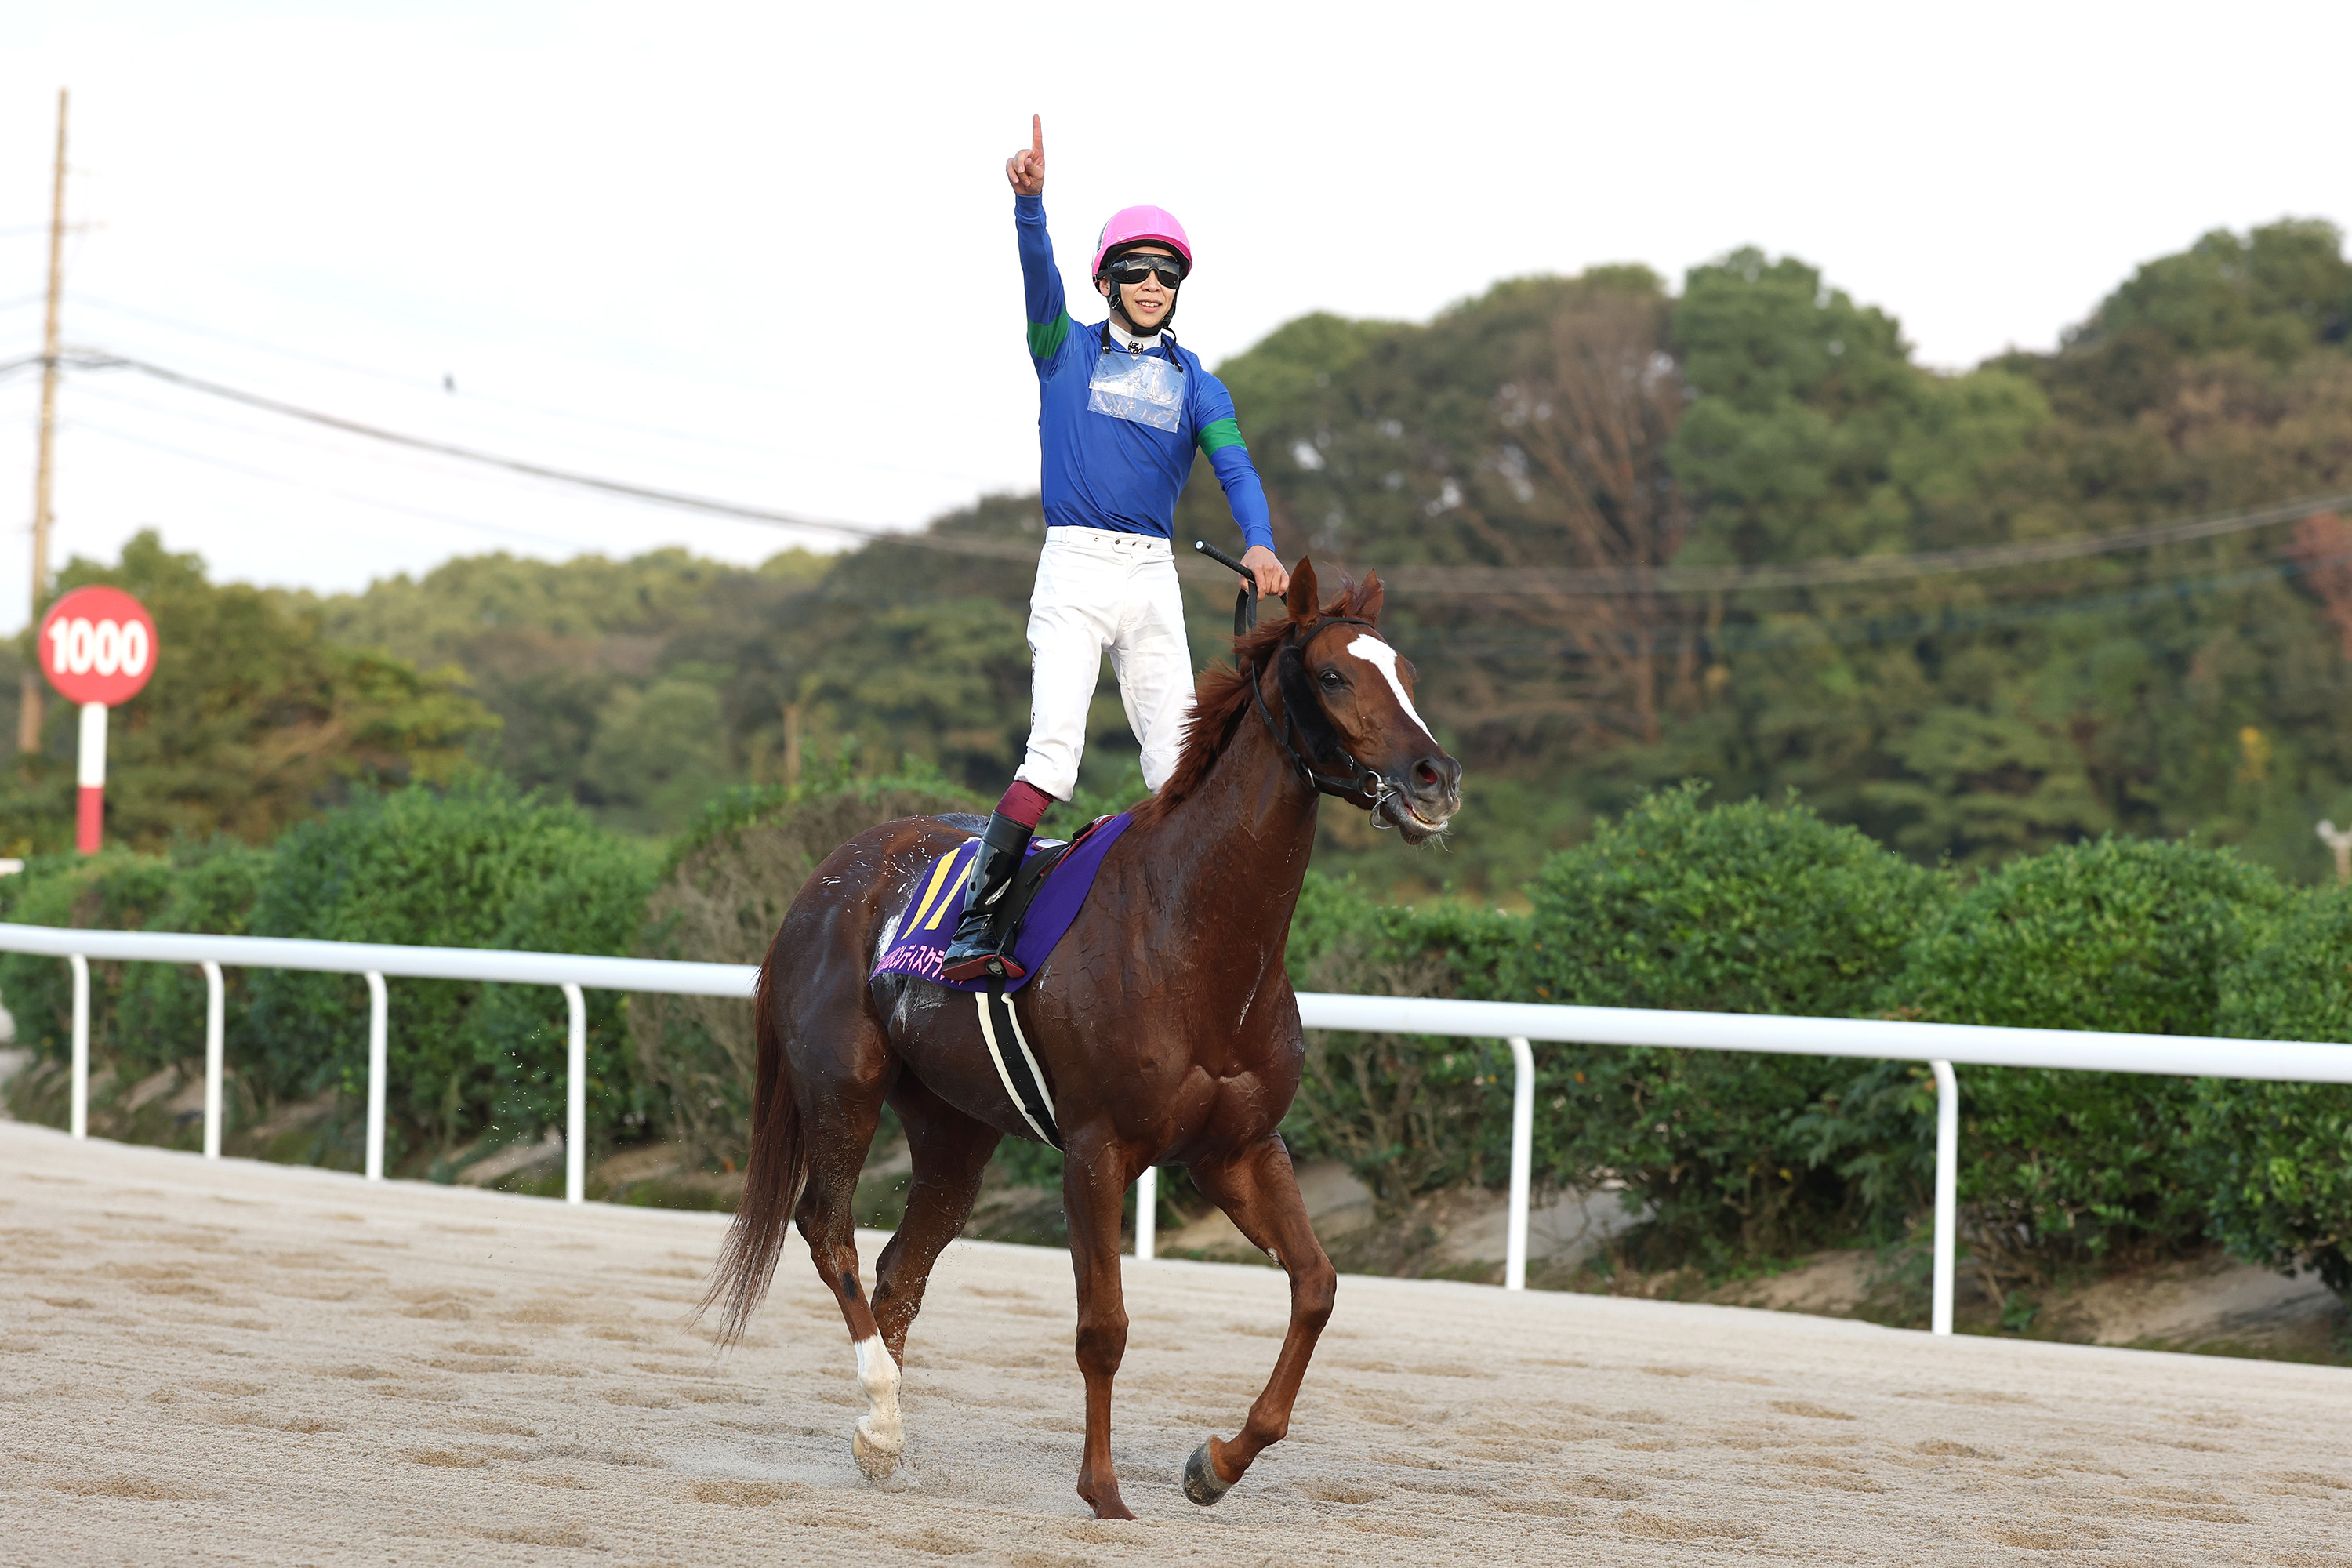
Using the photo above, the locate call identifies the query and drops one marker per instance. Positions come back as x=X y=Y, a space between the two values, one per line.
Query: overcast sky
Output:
x=765 y=251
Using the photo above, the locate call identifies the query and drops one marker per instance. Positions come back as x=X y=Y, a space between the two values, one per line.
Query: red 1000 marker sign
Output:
x=98 y=645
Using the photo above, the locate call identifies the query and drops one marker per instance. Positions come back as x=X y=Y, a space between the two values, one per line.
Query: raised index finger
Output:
x=1037 y=135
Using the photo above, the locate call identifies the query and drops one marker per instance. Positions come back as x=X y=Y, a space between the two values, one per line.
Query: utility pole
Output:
x=29 y=714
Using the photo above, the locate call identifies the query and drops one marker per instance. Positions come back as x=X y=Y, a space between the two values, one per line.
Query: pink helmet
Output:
x=1142 y=226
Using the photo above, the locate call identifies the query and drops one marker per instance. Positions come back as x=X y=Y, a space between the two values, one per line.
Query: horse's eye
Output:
x=1331 y=682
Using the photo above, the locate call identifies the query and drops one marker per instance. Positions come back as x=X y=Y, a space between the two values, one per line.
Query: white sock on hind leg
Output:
x=877 y=1374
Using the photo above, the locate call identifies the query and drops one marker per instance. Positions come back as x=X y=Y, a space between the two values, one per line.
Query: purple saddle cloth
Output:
x=921 y=933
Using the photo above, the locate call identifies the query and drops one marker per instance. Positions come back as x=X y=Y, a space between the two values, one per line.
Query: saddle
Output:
x=1046 y=896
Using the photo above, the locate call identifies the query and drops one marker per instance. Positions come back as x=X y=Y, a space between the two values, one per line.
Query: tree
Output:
x=566 y=652
x=251 y=722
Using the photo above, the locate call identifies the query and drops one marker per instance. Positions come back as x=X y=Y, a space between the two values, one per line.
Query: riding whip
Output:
x=1245 y=602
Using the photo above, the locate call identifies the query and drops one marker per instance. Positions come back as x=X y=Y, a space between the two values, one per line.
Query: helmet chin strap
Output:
x=1118 y=309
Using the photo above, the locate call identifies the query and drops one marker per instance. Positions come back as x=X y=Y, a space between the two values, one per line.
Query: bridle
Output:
x=1364 y=787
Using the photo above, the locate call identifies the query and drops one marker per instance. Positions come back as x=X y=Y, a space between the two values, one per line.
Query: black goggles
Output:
x=1130 y=270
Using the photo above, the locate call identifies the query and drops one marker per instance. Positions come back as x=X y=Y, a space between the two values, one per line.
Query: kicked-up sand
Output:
x=237 y=1361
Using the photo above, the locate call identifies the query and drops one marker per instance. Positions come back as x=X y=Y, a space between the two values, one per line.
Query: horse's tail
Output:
x=772 y=1181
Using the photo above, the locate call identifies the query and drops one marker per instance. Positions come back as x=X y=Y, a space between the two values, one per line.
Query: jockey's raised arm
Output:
x=1041 y=280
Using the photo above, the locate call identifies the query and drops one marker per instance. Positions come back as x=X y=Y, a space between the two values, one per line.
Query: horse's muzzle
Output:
x=1422 y=797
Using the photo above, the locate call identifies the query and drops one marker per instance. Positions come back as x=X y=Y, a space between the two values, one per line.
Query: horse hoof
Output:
x=1200 y=1482
x=875 y=1462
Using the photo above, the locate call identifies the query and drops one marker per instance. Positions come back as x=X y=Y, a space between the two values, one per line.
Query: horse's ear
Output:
x=1301 y=598
x=1365 y=602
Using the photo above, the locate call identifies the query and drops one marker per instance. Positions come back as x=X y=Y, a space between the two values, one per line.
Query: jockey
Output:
x=1121 y=409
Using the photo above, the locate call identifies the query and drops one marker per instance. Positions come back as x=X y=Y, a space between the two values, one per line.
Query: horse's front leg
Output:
x=1094 y=1176
x=1255 y=1186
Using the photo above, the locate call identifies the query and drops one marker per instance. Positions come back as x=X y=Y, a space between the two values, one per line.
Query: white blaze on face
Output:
x=1382 y=658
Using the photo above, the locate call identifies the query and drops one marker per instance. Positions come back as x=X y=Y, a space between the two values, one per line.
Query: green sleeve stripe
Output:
x=1046 y=338
x=1219 y=434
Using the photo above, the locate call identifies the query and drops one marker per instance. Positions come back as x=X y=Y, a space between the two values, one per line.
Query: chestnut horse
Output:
x=1164 y=1022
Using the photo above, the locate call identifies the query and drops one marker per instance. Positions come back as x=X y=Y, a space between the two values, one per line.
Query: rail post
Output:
x=80 y=1116
x=1523 y=1156
x=378 y=1006
x=575 y=1096
x=214 y=1011
x=1948 y=1187
x=1147 y=1212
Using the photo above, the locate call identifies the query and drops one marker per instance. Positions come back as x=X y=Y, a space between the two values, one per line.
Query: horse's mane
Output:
x=1222 y=697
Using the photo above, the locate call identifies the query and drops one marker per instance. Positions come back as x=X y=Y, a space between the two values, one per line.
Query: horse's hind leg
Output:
x=1255 y=1186
x=1094 y=1176
x=950 y=1153
x=840 y=1103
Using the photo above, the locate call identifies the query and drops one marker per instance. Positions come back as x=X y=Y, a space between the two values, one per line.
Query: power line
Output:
x=1621 y=581
x=86 y=359
x=231 y=420
x=305 y=356
x=591 y=342
x=377 y=502
x=414 y=384
x=1893 y=626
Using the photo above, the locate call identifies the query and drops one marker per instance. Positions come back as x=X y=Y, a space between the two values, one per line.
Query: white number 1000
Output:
x=76 y=648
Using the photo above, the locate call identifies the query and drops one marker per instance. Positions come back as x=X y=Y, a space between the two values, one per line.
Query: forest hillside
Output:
x=1631 y=535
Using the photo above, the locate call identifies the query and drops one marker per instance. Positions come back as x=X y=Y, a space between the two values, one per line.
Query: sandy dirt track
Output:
x=237 y=1362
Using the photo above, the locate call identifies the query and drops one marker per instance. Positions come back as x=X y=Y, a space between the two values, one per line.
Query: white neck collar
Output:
x=1124 y=339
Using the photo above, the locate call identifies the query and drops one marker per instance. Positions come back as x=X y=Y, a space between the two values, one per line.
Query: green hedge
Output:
x=2275 y=1160
x=1408 y=1113
x=143 y=1017
x=1750 y=907
x=477 y=865
x=2118 y=934
x=1744 y=907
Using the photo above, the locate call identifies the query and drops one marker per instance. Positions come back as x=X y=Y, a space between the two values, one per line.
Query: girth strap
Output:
x=1016 y=1067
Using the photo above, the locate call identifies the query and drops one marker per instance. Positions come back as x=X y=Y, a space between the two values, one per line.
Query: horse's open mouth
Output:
x=1408 y=820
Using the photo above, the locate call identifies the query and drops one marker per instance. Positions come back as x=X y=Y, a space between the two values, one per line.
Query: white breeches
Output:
x=1099 y=593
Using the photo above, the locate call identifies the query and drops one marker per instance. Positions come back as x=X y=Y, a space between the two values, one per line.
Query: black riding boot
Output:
x=974 y=954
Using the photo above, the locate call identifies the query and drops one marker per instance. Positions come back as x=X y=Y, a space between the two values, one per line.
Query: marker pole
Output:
x=89 y=818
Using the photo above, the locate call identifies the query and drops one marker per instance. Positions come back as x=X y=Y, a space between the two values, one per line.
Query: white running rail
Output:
x=1938 y=1045
x=1521 y=1023
x=570 y=971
